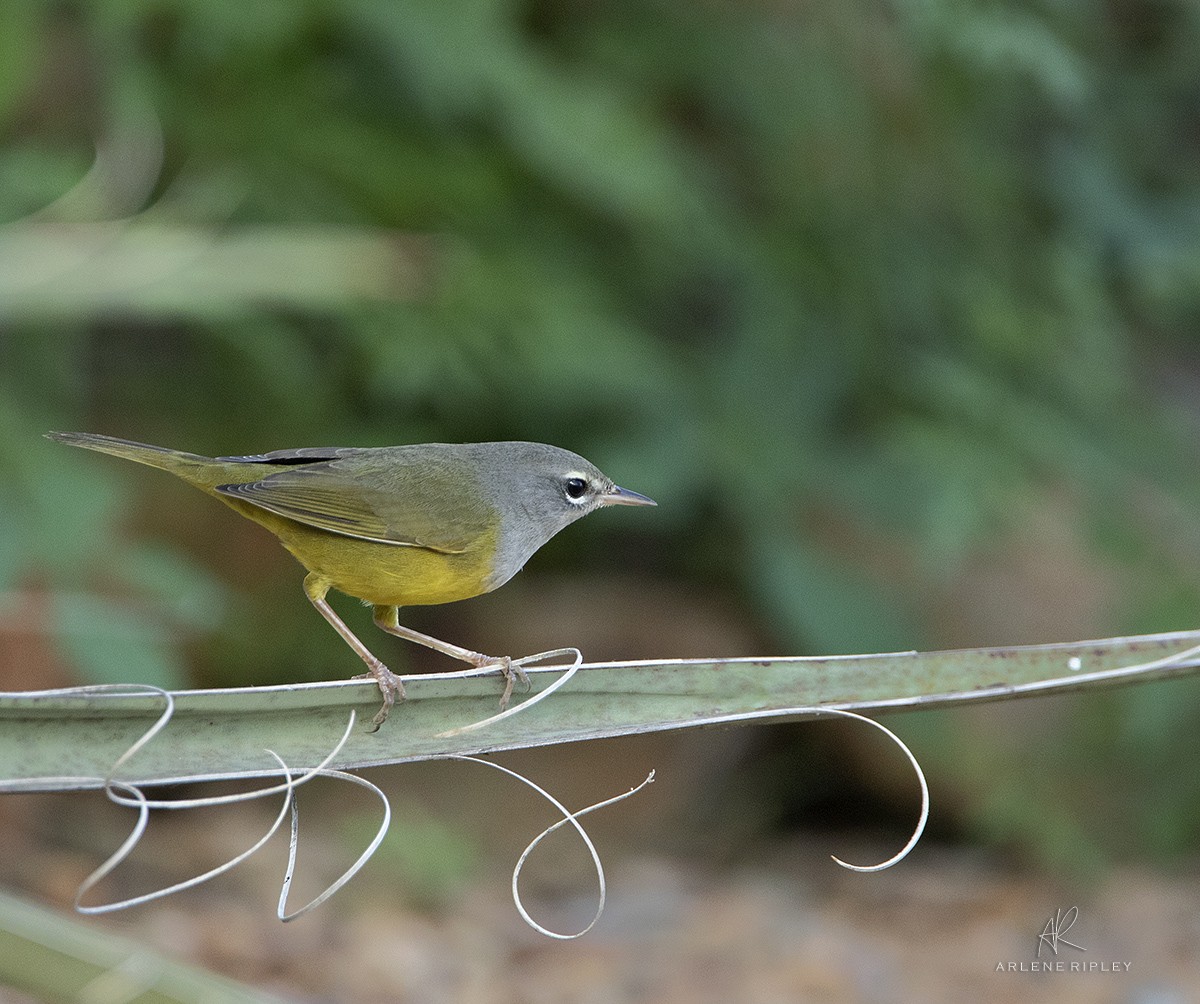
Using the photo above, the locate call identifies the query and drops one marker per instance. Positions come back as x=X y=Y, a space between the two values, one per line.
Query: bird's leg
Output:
x=390 y=685
x=387 y=619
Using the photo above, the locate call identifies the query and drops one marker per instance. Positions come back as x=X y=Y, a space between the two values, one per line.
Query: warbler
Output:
x=398 y=526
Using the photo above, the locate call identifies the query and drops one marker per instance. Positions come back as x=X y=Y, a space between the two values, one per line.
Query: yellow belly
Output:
x=383 y=574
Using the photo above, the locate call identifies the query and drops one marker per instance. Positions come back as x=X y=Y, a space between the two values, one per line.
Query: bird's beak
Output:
x=623 y=496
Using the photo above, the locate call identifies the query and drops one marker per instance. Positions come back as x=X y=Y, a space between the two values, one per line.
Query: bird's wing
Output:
x=358 y=496
x=304 y=455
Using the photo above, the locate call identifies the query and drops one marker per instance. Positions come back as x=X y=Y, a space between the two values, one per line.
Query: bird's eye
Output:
x=576 y=487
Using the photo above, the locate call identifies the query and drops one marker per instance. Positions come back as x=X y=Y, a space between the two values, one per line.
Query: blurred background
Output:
x=890 y=305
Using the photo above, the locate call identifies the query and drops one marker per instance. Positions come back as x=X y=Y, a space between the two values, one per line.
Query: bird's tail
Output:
x=192 y=467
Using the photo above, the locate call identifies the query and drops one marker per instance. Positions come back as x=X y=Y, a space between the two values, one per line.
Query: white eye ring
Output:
x=575 y=487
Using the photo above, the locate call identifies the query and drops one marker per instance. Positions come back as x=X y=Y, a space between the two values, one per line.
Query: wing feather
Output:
x=370 y=498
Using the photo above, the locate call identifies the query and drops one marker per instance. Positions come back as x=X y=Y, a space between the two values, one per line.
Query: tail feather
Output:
x=165 y=459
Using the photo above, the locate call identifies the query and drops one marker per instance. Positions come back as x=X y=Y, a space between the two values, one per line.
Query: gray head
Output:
x=539 y=490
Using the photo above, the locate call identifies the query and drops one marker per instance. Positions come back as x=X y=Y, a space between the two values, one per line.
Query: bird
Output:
x=398 y=526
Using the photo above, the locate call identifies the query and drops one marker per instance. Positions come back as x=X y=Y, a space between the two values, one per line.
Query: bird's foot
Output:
x=510 y=669
x=390 y=685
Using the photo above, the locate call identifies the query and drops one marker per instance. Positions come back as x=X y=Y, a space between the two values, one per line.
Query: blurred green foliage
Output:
x=423 y=859
x=856 y=290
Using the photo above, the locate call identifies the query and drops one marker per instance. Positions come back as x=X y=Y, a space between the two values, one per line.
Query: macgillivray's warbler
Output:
x=398 y=526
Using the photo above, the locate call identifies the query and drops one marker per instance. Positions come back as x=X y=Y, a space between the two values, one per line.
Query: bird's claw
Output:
x=390 y=685
x=512 y=671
